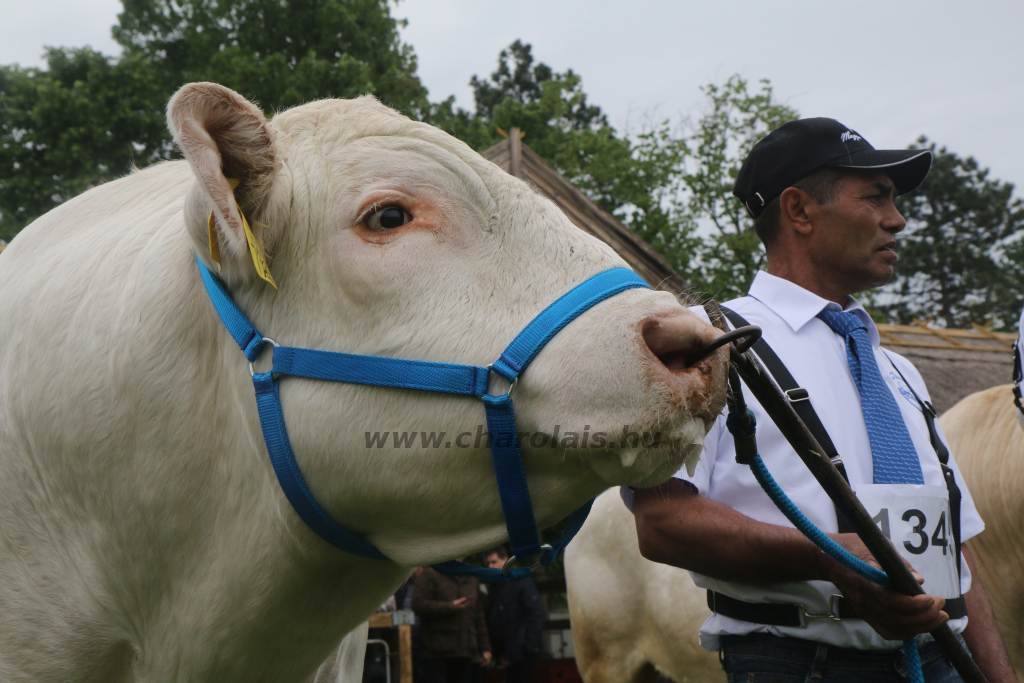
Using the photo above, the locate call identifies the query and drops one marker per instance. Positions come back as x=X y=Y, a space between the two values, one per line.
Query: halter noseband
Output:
x=417 y=375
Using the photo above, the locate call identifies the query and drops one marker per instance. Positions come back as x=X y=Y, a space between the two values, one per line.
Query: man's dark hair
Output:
x=500 y=551
x=821 y=185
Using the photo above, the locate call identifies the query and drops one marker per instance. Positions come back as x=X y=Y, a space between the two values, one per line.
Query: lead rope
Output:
x=743 y=427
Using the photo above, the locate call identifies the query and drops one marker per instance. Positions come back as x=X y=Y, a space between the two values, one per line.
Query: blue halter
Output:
x=418 y=375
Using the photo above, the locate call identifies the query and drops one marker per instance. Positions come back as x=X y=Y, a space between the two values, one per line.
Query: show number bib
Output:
x=916 y=519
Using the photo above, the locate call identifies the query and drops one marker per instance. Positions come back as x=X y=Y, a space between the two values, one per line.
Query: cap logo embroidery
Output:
x=850 y=136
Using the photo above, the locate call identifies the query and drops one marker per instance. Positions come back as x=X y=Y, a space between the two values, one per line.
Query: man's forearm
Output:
x=677 y=526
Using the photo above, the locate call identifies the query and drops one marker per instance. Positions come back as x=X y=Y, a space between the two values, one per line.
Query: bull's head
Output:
x=388 y=237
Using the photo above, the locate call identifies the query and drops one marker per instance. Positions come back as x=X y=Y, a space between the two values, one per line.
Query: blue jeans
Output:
x=762 y=658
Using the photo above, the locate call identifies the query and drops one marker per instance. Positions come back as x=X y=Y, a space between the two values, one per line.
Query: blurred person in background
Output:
x=452 y=627
x=515 y=621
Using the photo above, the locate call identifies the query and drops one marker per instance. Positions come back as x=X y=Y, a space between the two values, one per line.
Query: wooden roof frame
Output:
x=519 y=160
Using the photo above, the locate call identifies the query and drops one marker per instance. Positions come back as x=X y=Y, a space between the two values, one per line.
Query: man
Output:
x=452 y=626
x=823 y=203
x=515 y=622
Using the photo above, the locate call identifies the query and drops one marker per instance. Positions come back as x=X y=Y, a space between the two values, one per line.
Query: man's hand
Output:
x=894 y=615
x=485 y=658
x=460 y=603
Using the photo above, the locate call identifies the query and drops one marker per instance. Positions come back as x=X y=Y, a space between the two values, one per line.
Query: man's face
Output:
x=494 y=561
x=853 y=243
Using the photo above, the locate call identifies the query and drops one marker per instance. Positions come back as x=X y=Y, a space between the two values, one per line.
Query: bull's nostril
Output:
x=676 y=361
x=672 y=342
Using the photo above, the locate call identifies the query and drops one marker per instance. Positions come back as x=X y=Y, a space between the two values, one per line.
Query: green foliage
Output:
x=83 y=120
x=962 y=252
x=737 y=116
x=635 y=178
x=87 y=118
x=555 y=117
x=672 y=187
x=279 y=53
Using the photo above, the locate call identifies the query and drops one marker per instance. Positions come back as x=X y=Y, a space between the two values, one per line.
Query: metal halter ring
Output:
x=511 y=386
x=264 y=342
x=513 y=561
x=744 y=337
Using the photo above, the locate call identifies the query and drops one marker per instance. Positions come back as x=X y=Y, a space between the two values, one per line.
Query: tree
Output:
x=278 y=53
x=87 y=117
x=668 y=185
x=737 y=116
x=552 y=111
x=635 y=178
x=962 y=252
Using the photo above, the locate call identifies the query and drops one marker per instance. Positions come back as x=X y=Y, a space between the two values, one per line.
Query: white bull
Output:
x=632 y=619
x=988 y=440
x=143 y=535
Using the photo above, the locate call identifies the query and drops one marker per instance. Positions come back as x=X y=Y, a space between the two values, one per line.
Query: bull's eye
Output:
x=387 y=218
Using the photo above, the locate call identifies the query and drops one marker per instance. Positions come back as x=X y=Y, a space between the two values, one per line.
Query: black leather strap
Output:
x=1018 y=376
x=780 y=614
x=953 y=490
x=799 y=399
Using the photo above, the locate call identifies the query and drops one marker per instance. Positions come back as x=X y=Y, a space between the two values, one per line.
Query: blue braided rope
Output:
x=836 y=551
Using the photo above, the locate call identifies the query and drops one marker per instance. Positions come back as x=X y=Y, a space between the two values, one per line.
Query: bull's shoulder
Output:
x=126 y=205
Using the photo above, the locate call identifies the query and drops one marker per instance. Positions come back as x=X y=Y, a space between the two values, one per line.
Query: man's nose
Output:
x=893 y=220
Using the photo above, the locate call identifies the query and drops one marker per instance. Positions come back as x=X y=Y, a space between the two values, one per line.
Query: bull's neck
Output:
x=246 y=591
x=267 y=617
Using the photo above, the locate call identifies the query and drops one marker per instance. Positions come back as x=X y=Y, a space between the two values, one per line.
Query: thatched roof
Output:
x=954 y=363
x=521 y=161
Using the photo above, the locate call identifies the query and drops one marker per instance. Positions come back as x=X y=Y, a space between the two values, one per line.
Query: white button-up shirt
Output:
x=816 y=357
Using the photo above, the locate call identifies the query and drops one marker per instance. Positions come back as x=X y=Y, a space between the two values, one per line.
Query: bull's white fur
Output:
x=345 y=665
x=988 y=441
x=631 y=618
x=143 y=535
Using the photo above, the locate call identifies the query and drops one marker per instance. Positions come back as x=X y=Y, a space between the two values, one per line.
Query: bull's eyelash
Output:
x=369 y=211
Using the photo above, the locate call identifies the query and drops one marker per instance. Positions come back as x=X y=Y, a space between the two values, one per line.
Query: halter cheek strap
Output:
x=417 y=375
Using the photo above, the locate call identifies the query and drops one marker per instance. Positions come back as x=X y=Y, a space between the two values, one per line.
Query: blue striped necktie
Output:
x=893 y=456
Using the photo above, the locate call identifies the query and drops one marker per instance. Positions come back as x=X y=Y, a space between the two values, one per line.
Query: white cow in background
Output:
x=631 y=618
x=143 y=535
x=988 y=440
x=345 y=664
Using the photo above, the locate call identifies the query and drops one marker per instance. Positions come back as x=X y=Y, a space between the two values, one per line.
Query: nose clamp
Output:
x=514 y=562
x=743 y=338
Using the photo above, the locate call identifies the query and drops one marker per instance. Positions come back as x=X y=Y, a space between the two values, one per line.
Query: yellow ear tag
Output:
x=211 y=237
x=259 y=260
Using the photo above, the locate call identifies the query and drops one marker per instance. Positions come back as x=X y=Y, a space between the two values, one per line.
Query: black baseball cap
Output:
x=796 y=149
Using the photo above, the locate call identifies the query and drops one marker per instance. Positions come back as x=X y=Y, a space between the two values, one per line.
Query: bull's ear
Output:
x=228 y=143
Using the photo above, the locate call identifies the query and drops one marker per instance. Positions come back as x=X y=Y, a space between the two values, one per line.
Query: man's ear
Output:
x=793 y=205
x=228 y=143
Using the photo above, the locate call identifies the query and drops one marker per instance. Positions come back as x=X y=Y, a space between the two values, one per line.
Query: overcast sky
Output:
x=891 y=69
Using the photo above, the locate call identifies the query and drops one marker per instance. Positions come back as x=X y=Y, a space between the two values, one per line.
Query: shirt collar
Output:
x=798 y=306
